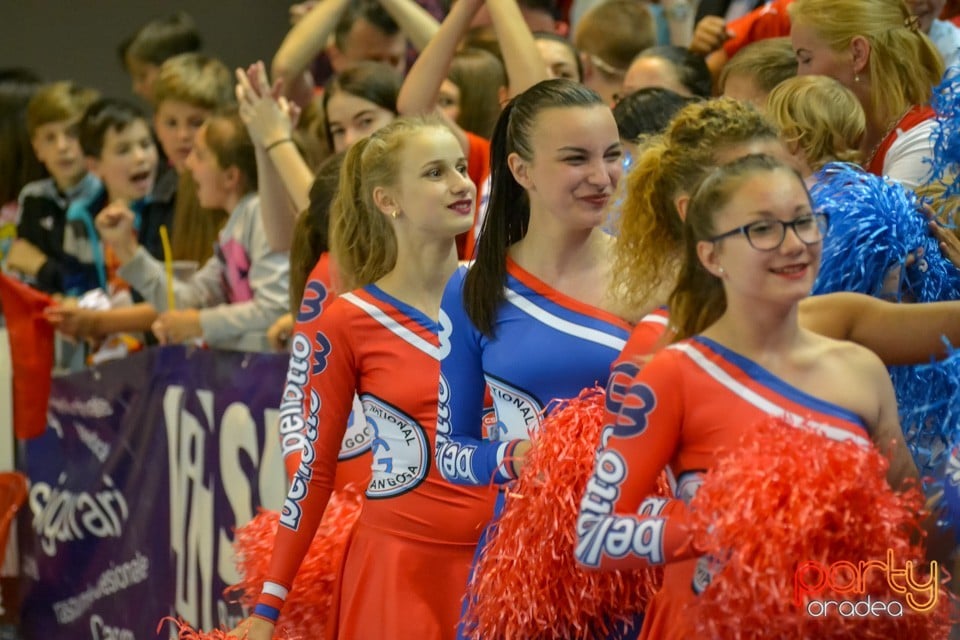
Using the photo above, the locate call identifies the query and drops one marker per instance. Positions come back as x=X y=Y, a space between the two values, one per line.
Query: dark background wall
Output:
x=77 y=39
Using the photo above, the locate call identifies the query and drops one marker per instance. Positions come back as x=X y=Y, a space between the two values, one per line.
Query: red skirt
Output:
x=399 y=588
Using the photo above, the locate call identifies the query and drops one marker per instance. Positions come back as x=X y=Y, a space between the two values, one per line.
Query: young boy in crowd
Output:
x=116 y=139
x=53 y=115
x=189 y=87
x=236 y=296
x=154 y=43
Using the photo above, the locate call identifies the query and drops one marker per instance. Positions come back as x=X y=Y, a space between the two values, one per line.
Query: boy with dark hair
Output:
x=52 y=120
x=119 y=148
x=142 y=53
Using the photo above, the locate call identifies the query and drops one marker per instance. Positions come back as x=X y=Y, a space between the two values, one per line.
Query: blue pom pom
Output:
x=946 y=157
x=874 y=226
x=927 y=398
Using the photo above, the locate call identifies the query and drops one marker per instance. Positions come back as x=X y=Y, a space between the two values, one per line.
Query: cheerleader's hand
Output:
x=945 y=236
x=253 y=628
x=949 y=243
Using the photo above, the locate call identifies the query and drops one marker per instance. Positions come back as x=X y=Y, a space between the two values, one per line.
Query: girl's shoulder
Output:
x=842 y=358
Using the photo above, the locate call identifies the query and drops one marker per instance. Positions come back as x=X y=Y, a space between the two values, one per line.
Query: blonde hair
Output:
x=362 y=240
x=650 y=230
x=57 y=102
x=196 y=79
x=819 y=115
x=904 y=64
x=615 y=31
x=698 y=299
x=767 y=62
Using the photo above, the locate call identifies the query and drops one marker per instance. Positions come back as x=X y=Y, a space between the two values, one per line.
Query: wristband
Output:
x=277 y=143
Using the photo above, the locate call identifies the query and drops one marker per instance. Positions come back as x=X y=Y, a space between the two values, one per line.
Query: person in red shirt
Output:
x=404 y=196
x=751 y=253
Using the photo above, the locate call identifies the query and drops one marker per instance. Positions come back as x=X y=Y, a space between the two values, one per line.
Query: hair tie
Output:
x=913 y=23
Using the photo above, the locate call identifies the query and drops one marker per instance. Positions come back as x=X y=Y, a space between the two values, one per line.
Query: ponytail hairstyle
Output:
x=904 y=64
x=362 y=240
x=698 y=299
x=230 y=143
x=650 y=235
x=508 y=212
x=311 y=235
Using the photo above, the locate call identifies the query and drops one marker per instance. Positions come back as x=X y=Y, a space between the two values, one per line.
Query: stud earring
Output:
x=395 y=214
x=720 y=269
x=856 y=77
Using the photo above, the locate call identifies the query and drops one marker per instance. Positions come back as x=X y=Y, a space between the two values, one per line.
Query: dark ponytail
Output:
x=508 y=212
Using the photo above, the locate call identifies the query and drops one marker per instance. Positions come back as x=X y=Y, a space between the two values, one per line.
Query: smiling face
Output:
x=433 y=195
x=176 y=123
x=785 y=274
x=575 y=165
x=58 y=149
x=350 y=118
x=128 y=162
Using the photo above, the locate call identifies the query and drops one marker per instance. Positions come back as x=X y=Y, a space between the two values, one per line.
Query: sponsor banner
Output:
x=147 y=465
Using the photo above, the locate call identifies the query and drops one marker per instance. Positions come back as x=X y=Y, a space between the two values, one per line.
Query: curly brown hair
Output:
x=650 y=239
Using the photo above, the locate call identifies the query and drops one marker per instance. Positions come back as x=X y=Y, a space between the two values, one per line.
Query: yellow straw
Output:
x=168 y=265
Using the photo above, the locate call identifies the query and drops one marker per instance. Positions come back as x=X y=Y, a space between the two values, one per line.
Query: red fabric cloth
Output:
x=31 y=349
x=478 y=167
x=769 y=20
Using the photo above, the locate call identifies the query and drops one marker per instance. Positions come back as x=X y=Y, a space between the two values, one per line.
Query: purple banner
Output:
x=147 y=466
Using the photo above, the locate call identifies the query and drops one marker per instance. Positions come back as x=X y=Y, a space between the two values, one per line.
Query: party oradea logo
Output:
x=851 y=589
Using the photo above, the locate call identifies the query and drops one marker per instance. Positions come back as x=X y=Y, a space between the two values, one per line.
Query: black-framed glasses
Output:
x=768 y=235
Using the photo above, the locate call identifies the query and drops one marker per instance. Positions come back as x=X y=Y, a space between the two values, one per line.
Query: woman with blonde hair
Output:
x=876 y=49
x=404 y=195
x=819 y=119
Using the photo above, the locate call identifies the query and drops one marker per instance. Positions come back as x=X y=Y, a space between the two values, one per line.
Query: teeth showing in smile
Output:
x=791 y=269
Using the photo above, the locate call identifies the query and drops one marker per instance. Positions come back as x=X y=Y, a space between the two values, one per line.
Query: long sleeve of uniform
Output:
x=463 y=455
x=353 y=466
x=317 y=295
x=621 y=526
x=330 y=397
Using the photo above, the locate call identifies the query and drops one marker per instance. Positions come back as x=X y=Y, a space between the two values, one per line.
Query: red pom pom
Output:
x=308 y=604
x=527 y=583
x=787 y=496
x=186 y=632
